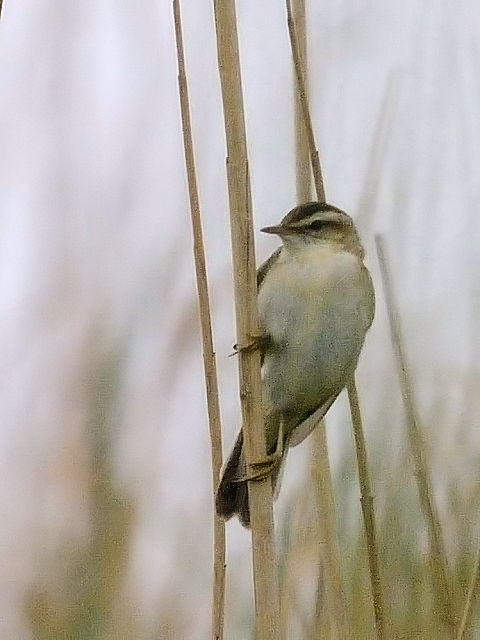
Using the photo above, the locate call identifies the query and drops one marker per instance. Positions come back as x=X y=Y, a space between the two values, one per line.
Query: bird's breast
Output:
x=302 y=292
x=314 y=307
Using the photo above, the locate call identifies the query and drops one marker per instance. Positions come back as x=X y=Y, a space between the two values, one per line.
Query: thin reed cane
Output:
x=472 y=592
x=260 y=491
x=368 y=511
x=209 y=362
x=305 y=107
x=302 y=147
x=417 y=446
x=365 y=487
x=330 y=578
x=381 y=137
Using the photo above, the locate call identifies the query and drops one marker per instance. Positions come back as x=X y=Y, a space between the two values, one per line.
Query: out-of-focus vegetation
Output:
x=413 y=605
x=105 y=493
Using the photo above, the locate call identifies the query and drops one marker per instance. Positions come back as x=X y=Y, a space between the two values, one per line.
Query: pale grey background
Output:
x=96 y=250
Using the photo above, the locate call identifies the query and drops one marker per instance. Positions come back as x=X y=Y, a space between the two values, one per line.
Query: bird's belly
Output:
x=316 y=331
x=304 y=372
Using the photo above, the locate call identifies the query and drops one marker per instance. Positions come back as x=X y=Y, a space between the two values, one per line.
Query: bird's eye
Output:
x=316 y=225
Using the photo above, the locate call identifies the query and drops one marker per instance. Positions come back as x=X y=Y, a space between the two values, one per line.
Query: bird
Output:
x=316 y=302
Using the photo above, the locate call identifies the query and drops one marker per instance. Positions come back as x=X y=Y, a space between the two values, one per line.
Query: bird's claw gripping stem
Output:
x=261 y=469
x=256 y=341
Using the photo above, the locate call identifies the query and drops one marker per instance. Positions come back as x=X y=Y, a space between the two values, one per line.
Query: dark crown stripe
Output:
x=306 y=210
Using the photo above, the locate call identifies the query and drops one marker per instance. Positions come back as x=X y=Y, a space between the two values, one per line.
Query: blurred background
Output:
x=105 y=489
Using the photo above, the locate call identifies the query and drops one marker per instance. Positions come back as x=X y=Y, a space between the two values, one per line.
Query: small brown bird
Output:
x=316 y=303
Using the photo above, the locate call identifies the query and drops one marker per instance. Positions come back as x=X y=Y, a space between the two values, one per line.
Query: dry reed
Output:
x=330 y=578
x=378 y=151
x=417 y=446
x=243 y=250
x=366 y=500
x=366 y=495
x=209 y=361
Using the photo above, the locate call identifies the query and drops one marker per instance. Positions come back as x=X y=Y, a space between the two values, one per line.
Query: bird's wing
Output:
x=365 y=310
x=310 y=421
x=264 y=268
x=367 y=307
x=265 y=342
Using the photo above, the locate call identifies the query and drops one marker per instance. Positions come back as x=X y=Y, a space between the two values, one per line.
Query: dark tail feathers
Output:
x=232 y=493
x=231 y=497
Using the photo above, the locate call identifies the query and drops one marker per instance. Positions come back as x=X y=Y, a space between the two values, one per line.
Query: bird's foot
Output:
x=261 y=469
x=256 y=341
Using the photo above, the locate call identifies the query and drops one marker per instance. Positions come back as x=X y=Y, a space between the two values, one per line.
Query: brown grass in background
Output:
x=81 y=597
x=440 y=572
x=472 y=593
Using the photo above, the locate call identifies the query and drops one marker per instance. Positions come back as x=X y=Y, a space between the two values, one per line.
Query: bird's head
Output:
x=318 y=222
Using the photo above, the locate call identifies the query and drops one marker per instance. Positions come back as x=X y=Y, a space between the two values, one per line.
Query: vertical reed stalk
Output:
x=298 y=539
x=368 y=512
x=209 y=362
x=302 y=147
x=417 y=447
x=243 y=250
x=302 y=98
x=331 y=575
x=366 y=495
x=330 y=579
x=378 y=151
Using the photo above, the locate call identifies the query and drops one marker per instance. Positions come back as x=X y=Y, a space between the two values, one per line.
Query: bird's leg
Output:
x=264 y=468
x=255 y=341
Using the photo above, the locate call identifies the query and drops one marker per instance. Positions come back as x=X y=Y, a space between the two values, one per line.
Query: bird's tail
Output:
x=231 y=497
x=232 y=492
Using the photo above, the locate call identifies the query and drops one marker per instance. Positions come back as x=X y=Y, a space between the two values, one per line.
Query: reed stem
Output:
x=417 y=446
x=243 y=249
x=366 y=496
x=329 y=583
x=209 y=361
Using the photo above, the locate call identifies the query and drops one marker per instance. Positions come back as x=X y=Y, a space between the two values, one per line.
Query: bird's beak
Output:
x=278 y=230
